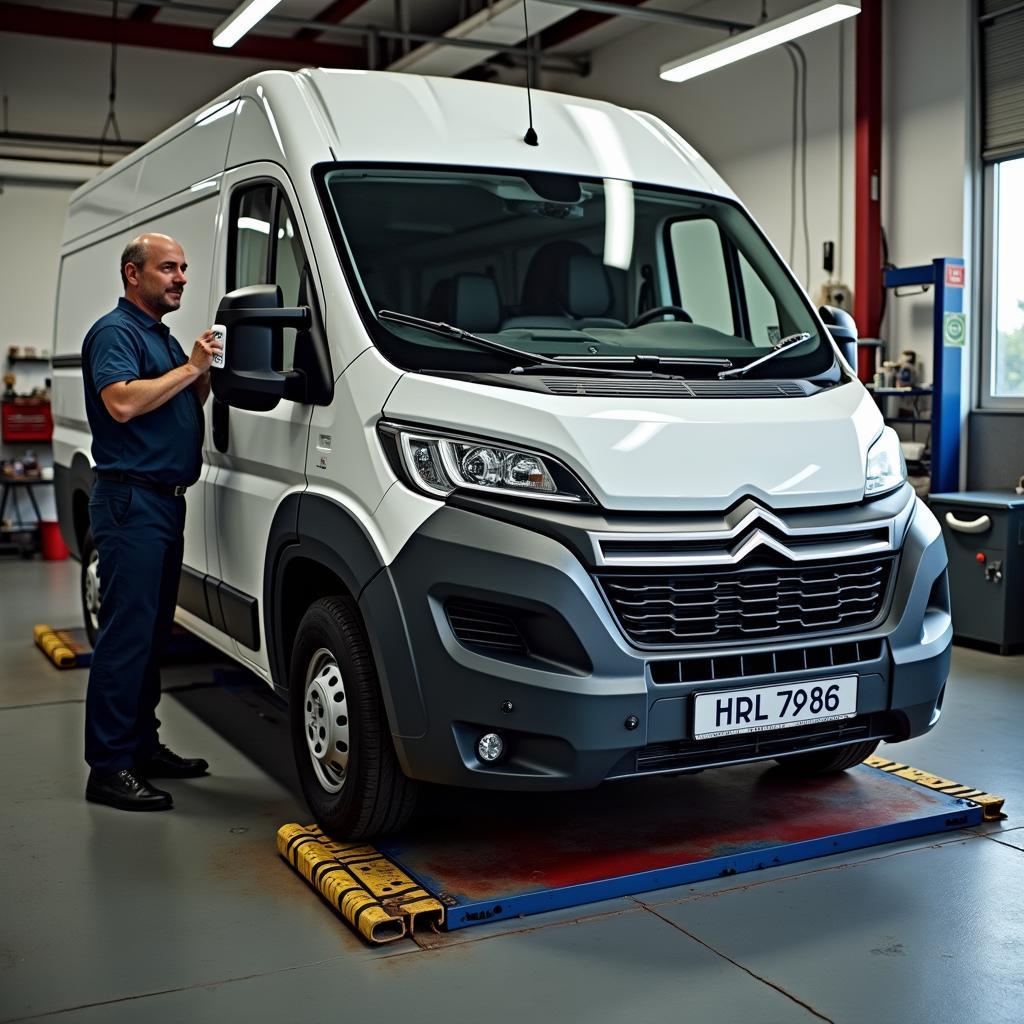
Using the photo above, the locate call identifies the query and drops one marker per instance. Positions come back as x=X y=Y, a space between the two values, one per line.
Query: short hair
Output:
x=135 y=252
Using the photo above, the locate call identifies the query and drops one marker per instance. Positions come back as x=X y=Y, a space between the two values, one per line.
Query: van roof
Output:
x=389 y=117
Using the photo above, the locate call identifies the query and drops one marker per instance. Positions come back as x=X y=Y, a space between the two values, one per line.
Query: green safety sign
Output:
x=954 y=329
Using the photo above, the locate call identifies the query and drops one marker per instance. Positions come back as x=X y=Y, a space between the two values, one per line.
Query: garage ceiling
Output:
x=404 y=34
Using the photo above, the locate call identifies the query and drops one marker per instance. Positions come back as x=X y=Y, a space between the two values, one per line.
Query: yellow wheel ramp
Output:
x=376 y=897
x=57 y=644
x=991 y=806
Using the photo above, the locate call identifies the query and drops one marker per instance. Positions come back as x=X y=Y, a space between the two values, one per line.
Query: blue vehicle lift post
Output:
x=946 y=275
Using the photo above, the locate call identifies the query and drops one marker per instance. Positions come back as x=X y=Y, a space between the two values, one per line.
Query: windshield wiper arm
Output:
x=790 y=341
x=643 y=361
x=533 y=359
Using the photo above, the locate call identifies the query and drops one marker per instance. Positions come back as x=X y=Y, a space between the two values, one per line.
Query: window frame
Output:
x=988 y=401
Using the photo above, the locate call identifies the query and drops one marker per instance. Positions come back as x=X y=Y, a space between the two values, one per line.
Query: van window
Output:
x=251 y=236
x=701 y=273
x=267 y=249
x=762 y=313
x=555 y=265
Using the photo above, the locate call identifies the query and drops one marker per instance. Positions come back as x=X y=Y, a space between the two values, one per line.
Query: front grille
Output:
x=749 y=604
x=480 y=625
x=736 y=749
x=611 y=387
x=761 y=663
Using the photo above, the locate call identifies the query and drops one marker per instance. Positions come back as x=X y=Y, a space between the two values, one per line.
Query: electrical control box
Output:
x=984 y=534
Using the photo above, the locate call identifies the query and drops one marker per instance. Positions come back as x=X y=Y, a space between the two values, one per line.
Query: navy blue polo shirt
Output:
x=164 y=444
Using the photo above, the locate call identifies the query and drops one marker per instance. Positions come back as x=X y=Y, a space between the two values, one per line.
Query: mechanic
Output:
x=144 y=400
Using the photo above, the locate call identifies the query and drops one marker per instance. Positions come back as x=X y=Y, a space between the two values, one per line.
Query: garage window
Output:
x=1006 y=378
x=1002 y=260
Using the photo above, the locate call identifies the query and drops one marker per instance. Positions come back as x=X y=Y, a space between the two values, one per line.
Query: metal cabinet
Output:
x=984 y=534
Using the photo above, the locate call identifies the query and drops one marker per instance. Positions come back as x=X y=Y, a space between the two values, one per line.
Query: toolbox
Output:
x=984 y=534
x=25 y=420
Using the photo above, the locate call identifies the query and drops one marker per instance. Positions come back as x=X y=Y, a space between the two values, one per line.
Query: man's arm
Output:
x=127 y=399
x=201 y=387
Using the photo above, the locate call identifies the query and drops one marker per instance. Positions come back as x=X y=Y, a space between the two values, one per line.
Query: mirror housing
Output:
x=843 y=329
x=255 y=318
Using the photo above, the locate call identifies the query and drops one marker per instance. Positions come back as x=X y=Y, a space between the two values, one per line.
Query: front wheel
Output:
x=826 y=762
x=346 y=762
x=89 y=587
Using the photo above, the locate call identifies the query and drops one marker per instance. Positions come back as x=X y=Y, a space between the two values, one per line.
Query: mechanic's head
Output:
x=153 y=273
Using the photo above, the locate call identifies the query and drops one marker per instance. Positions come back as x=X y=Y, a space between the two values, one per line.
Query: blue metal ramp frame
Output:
x=494 y=856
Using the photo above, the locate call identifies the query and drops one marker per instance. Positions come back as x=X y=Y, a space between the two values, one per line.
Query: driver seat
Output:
x=566 y=286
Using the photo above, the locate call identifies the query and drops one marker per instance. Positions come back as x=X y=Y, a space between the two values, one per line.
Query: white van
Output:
x=531 y=467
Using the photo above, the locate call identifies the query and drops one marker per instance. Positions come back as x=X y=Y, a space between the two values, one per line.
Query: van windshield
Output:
x=585 y=269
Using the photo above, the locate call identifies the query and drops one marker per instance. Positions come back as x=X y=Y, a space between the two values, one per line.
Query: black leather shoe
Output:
x=128 y=791
x=166 y=764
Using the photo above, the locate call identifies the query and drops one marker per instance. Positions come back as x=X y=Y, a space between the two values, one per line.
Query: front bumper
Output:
x=577 y=703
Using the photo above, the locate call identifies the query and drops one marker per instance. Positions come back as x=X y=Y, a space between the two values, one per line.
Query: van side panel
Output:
x=102 y=202
x=90 y=285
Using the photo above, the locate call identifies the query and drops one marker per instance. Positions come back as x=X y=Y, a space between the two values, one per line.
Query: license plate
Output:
x=730 y=712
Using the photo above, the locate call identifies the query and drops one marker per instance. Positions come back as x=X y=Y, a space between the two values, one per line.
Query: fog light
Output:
x=490 y=747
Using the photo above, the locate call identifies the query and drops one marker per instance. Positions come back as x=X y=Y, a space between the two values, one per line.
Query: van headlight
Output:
x=439 y=464
x=886 y=468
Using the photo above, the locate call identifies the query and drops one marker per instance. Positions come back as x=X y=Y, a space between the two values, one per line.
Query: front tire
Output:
x=89 y=587
x=827 y=762
x=346 y=761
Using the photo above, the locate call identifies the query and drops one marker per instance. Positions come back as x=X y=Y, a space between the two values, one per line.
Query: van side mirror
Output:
x=255 y=318
x=843 y=329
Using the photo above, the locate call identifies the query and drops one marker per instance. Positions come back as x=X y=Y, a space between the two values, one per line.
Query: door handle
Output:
x=979 y=525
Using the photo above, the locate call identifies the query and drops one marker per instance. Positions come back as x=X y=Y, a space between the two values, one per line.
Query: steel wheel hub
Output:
x=325 y=721
x=92 y=588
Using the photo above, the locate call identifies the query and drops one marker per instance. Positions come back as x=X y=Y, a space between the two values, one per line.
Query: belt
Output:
x=175 y=490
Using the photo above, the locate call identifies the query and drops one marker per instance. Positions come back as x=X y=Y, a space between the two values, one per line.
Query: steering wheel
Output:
x=652 y=314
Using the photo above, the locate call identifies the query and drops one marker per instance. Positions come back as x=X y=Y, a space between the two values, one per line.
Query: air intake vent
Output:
x=675 y=608
x=477 y=624
x=741 y=666
x=615 y=387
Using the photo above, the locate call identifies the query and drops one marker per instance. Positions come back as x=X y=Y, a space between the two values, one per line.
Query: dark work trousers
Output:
x=139 y=537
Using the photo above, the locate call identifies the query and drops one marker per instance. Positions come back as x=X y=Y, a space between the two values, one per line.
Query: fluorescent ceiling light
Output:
x=241 y=20
x=762 y=37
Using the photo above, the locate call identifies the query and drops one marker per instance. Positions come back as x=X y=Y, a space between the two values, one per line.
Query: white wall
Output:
x=31 y=220
x=927 y=162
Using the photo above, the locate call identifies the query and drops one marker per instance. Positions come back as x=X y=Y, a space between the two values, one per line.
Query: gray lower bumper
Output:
x=581 y=704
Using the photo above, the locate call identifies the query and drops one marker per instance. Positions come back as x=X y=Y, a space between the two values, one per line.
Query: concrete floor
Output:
x=191 y=916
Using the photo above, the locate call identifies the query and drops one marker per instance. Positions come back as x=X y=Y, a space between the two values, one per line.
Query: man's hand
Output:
x=203 y=351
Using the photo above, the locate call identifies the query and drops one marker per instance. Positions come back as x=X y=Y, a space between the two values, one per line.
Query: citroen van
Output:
x=530 y=467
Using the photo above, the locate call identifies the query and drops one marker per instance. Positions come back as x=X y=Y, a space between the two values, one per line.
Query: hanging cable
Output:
x=111 y=122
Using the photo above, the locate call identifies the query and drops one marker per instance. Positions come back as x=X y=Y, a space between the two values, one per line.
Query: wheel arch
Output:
x=72 y=486
x=318 y=548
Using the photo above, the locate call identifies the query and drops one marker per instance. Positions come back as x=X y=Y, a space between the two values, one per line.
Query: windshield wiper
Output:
x=533 y=360
x=790 y=341
x=643 y=361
